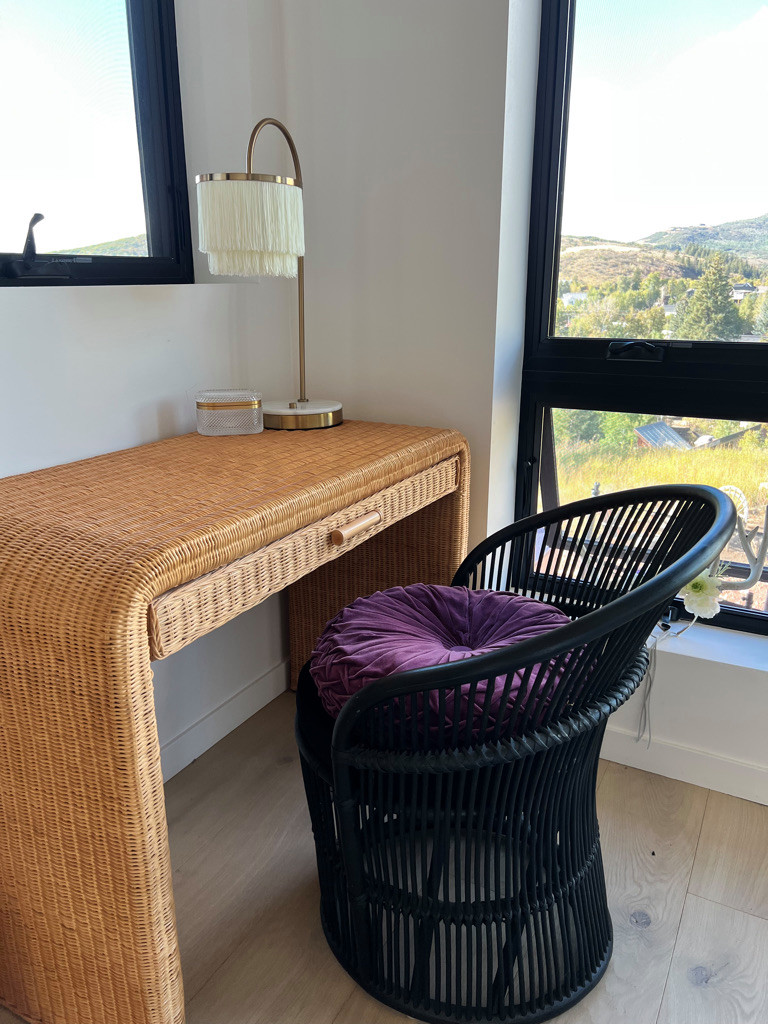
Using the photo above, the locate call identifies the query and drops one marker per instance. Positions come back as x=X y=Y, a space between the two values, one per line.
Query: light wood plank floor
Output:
x=686 y=872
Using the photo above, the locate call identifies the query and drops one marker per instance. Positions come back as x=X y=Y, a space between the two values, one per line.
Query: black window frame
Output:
x=727 y=380
x=157 y=99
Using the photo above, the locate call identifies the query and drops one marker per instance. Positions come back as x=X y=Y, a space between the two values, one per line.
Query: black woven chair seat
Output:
x=467 y=884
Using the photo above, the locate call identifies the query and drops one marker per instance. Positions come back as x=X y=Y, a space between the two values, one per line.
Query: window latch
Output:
x=637 y=351
x=28 y=266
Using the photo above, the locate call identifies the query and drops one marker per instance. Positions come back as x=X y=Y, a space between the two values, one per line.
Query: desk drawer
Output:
x=194 y=609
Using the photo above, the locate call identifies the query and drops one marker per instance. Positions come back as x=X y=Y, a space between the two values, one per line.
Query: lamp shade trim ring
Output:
x=278 y=179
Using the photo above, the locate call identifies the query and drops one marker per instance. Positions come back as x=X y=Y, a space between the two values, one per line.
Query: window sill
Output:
x=723 y=646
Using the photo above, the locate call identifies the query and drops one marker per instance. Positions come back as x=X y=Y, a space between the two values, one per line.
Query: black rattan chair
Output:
x=460 y=869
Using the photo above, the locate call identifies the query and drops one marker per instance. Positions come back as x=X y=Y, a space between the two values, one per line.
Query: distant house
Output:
x=660 y=435
x=571 y=298
x=739 y=291
x=663 y=435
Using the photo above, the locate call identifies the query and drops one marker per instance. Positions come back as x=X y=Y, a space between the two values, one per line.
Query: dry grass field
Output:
x=581 y=466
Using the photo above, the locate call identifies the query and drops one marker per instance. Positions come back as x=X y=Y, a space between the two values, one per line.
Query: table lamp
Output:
x=252 y=225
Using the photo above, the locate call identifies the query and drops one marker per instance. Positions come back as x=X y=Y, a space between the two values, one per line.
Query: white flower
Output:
x=701 y=596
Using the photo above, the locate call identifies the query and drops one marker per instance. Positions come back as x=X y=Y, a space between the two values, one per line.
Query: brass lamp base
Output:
x=295 y=415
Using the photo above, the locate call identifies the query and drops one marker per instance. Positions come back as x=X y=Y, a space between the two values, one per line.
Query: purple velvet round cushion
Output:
x=421 y=625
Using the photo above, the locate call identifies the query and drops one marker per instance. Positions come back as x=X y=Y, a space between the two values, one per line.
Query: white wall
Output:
x=398 y=110
x=522 y=66
x=709 y=714
x=90 y=370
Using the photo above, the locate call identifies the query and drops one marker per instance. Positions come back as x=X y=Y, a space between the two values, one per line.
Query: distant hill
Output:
x=592 y=261
x=747 y=238
x=680 y=252
x=134 y=246
x=590 y=242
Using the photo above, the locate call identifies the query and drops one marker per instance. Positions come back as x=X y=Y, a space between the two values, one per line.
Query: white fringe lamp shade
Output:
x=250 y=225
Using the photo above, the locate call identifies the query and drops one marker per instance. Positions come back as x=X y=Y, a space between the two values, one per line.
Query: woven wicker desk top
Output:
x=167 y=512
x=87 y=925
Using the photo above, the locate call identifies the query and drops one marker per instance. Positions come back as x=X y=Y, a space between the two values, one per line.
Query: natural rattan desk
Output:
x=112 y=562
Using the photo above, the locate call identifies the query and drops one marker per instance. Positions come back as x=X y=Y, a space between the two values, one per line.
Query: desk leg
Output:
x=87 y=923
x=427 y=547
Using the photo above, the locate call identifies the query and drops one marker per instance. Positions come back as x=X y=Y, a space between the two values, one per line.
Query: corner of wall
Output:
x=519 y=118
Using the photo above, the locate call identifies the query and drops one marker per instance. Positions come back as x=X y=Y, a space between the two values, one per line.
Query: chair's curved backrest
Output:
x=584 y=555
x=612 y=563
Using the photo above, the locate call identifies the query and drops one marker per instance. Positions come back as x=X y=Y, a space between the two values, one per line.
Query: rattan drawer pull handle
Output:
x=345 y=533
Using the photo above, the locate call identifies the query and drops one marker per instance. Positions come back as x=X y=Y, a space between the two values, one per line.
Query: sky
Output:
x=666 y=126
x=68 y=107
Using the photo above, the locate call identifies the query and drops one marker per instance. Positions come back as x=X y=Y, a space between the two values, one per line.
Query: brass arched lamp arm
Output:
x=300 y=262
x=291 y=145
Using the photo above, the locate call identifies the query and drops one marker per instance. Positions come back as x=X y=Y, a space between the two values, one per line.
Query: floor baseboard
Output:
x=688 y=764
x=180 y=751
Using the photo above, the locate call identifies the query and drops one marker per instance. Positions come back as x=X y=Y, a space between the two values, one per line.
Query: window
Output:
x=93 y=141
x=598 y=452
x=646 y=355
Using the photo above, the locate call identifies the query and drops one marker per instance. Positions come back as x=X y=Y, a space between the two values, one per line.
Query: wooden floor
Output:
x=687 y=873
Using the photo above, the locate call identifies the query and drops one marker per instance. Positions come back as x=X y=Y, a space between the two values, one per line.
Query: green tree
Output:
x=677 y=287
x=619 y=428
x=717 y=428
x=651 y=323
x=710 y=314
x=747 y=312
x=652 y=288
x=562 y=320
x=761 y=315
x=597 y=320
x=573 y=426
x=752 y=439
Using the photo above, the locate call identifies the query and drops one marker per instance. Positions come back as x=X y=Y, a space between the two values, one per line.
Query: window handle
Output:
x=28 y=266
x=642 y=351
x=30 y=249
